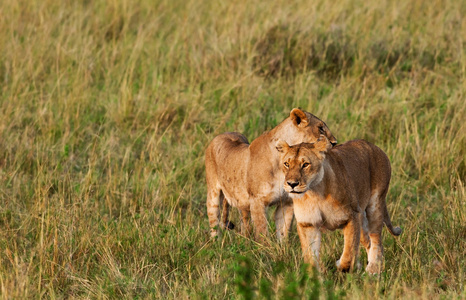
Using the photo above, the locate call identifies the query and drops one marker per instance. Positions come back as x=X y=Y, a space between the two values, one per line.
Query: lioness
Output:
x=249 y=177
x=339 y=187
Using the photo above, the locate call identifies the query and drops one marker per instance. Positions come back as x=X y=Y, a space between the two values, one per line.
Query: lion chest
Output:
x=323 y=213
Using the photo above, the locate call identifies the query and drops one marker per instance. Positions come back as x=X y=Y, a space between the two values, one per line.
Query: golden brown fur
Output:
x=248 y=176
x=340 y=187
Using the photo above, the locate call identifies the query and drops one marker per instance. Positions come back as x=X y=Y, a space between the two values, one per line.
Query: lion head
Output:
x=305 y=127
x=302 y=164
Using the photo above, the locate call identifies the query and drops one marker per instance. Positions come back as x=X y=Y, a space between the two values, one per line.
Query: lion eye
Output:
x=305 y=165
x=286 y=164
x=321 y=130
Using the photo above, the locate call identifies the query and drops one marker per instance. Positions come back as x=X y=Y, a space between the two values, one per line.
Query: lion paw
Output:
x=342 y=268
x=373 y=268
x=347 y=268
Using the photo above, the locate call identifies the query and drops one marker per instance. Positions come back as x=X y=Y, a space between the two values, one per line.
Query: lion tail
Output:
x=395 y=231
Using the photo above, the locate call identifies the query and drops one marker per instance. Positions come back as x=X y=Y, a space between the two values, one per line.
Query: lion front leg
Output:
x=283 y=220
x=310 y=238
x=349 y=257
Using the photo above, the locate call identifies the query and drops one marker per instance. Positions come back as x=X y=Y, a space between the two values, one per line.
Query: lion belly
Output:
x=236 y=195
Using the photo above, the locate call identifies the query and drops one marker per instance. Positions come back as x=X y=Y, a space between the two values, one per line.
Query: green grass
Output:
x=106 y=108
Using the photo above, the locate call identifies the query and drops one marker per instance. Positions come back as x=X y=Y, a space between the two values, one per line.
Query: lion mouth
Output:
x=296 y=192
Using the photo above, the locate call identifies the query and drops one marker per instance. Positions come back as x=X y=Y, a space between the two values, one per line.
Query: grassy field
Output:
x=106 y=108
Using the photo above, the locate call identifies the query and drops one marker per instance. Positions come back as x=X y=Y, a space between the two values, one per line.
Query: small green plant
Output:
x=297 y=284
x=244 y=279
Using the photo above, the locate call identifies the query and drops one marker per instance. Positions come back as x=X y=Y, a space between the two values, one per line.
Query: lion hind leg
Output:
x=258 y=216
x=214 y=200
x=246 y=222
x=226 y=223
x=375 y=256
x=365 y=239
x=375 y=219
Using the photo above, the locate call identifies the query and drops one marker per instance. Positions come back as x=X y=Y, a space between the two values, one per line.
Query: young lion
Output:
x=249 y=177
x=340 y=187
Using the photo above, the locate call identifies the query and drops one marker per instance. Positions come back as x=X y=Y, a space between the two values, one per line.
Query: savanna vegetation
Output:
x=106 y=108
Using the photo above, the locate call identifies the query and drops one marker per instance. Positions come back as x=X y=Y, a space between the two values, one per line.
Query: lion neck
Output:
x=285 y=131
x=267 y=140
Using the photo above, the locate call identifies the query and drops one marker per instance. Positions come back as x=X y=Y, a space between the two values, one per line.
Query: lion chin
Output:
x=296 y=194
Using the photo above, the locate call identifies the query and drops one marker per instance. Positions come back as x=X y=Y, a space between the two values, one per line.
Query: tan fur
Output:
x=339 y=187
x=248 y=176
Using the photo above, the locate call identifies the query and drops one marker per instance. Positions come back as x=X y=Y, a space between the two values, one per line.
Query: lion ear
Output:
x=322 y=144
x=323 y=129
x=282 y=146
x=299 y=117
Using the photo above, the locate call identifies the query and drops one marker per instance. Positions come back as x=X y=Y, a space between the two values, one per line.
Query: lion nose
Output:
x=292 y=183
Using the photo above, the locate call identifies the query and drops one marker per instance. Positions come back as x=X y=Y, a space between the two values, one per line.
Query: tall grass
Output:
x=106 y=108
